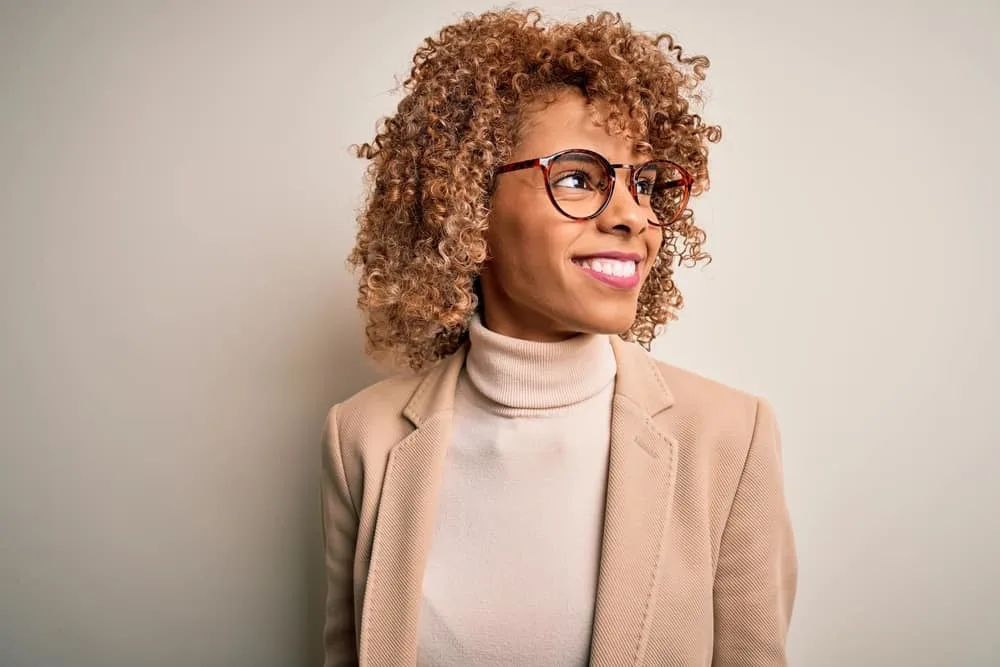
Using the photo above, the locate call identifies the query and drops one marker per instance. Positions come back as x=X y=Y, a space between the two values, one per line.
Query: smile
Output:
x=620 y=273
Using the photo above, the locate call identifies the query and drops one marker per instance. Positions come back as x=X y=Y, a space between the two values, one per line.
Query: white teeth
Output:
x=611 y=267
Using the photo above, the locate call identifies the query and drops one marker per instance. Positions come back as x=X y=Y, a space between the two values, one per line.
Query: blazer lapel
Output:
x=641 y=475
x=405 y=521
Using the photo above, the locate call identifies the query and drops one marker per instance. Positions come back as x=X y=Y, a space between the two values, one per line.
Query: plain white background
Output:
x=177 y=200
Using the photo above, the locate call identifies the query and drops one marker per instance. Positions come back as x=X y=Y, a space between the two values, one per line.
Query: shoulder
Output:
x=727 y=439
x=380 y=415
x=695 y=392
x=722 y=419
x=379 y=399
x=375 y=410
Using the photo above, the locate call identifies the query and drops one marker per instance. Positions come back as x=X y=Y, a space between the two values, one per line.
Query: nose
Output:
x=623 y=215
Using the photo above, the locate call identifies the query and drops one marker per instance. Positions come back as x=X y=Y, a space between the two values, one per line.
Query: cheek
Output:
x=530 y=256
x=547 y=249
x=654 y=241
x=533 y=246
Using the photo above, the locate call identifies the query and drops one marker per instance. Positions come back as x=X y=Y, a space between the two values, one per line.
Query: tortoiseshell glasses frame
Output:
x=682 y=182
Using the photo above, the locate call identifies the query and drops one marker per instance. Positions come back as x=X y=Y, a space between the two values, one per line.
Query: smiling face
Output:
x=548 y=276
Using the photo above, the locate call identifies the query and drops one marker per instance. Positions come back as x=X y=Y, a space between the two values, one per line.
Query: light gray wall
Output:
x=176 y=202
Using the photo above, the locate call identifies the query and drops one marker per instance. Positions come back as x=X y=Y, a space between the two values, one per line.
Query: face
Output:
x=547 y=277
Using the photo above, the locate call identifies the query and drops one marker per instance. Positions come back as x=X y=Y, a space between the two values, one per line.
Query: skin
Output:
x=532 y=289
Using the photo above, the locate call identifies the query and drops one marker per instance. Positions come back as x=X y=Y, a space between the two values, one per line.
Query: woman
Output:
x=541 y=491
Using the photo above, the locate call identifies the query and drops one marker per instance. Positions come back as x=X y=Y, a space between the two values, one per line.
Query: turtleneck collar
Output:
x=526 y=374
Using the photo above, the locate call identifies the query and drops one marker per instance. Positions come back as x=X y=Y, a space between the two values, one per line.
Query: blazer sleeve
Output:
x=757 y=571
x=340 y=532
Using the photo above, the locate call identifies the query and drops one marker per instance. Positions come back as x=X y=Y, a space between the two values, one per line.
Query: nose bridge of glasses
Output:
x=629 y=180
x=623 y=202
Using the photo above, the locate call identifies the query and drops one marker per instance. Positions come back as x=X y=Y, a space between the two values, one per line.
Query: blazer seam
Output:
x=739 y=483
x=425 y=385
x=640 y=644
x=658 y=375
x=640 y=648
x=647 y=419
x=341 y=472
x=373 y=562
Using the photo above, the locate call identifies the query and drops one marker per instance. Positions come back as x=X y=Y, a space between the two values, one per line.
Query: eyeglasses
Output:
x=580 y=183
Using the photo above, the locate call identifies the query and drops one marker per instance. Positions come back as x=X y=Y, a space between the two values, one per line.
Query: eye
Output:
x=577 y=180
x=644 y=186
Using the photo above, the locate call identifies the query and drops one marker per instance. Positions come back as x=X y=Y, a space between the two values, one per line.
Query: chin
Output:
x=611 y=323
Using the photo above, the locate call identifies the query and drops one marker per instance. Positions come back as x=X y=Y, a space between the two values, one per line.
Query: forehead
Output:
x=570 y=121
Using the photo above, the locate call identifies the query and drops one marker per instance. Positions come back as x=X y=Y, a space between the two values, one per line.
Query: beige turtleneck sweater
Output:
x=511 y=576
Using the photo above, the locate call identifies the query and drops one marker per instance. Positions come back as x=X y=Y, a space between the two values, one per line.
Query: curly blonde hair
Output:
x=421 y=233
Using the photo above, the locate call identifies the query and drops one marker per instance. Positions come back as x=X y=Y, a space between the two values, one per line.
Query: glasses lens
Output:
x=662 y=188
x=579 y=183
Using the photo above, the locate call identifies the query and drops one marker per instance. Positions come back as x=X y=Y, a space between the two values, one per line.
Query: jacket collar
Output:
x=641 y=474
x=638 y=380
x=436 y=392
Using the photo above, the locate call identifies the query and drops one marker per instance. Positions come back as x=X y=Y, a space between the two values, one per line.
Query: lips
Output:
x=620 y=270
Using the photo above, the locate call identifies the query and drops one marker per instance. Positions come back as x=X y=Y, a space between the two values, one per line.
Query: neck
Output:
x=525 y=325
x=533 y=374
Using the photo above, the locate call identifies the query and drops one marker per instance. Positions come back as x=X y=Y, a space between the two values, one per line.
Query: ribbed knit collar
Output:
x=519 y=373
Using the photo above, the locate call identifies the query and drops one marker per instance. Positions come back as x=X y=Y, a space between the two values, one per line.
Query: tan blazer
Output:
x=698 y=564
